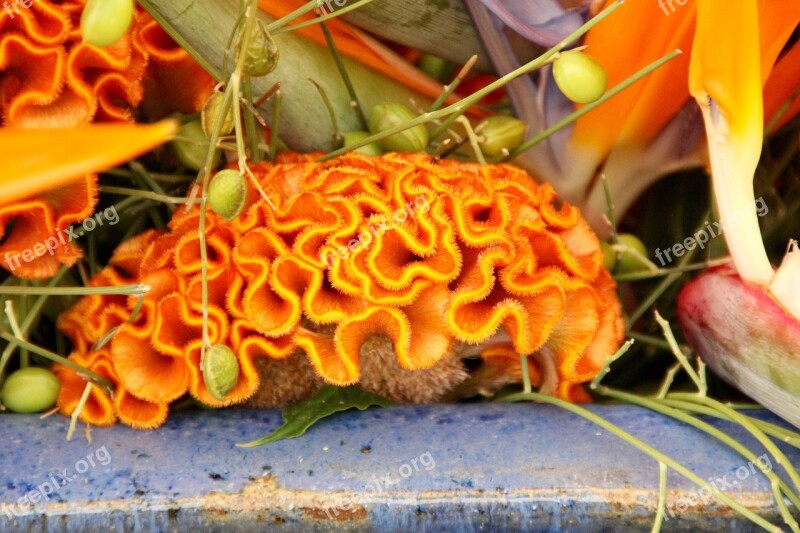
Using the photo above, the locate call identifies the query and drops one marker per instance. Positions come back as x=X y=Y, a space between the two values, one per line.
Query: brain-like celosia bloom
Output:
x=382 y=271
x=50 y=78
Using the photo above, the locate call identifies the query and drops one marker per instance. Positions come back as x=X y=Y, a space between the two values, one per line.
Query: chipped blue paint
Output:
x=496 y=467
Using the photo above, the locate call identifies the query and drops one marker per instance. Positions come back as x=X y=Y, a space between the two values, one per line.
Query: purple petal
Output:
x=544 y=22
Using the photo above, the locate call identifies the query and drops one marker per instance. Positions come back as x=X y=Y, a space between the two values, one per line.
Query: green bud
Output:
x=609 y=256
x=501 y=131
x=191 y=146
x=104 y=22
x=262 y=54
x=220 y=370
x=352 y=137
x=436 y=67
x=30 y=390
x=227 y=193
x=387 y=116
x=633 y=256
x=580 y=77
x=211 y=110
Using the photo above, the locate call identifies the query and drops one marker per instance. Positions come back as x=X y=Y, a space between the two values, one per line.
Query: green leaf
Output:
x=330 y=400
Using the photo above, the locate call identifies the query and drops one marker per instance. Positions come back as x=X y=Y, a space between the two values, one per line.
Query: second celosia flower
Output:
x=430 y=260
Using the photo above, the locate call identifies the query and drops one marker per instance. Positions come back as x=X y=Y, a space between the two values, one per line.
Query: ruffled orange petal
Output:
x=485 y=249
x=145 y=372
x=98 y=409
x=139 y=414
x=174 y=82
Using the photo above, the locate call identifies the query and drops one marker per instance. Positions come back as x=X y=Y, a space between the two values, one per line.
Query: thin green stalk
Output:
x=464 y=104
x=569 y=119
x=250 y=123
x=47 y=354
x=473 y=140
x=12 y=321
x=176 y=36
x=446 y=123
x=662 y=498
x=644 y=275
x=291 y=17
x=348 y=83
x=700 y=383
x=147 y=195
x=657 y=406
x=664 y=285
x=125 y=290
x=526 y=376
x=30 y=319
x=276 y=118
x=607 y=364
x=338 y=139
x=450 y=89
x=611 y=211
x=742 y=420
x=784 y=435
x=142 y=173
x=669 y=379
x=78 y=409
x=338 y=13
x=643 y=447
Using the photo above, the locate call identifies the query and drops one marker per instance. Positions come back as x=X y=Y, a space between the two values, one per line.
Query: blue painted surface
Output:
x=457 y=468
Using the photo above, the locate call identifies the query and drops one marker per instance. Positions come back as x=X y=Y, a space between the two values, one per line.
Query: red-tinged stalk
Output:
x=746 y=337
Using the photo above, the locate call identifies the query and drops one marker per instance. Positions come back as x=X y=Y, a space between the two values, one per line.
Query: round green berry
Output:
x=580 y=77
x=227 y=193
x=104 y=22
x=633 y=256
x=191 y=146
x=352 y=137
x=500 y=133
x=220 y=370
x=30 y=390
x=387 y=116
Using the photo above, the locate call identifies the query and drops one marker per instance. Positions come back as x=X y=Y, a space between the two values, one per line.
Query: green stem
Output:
x=338 y=13
x=526 y=375
x=643 y=447
x=464 y=104
x=569 y=119
x=291 y=17
x=348 y=83
x=645 y=275
x=657 y=406
x=126 y=290
x=742 y=420
x=176 y=36
x=100 y=380
x=784 y=435
x=30 y=319
x=662 y=498
x=138 y=193
x=702 y=388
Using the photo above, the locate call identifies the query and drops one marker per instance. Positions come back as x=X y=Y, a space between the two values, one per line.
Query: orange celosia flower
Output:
x=49 y=78
x=431 y=256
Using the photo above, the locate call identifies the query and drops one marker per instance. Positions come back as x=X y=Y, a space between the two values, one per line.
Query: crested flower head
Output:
x=50 y=78
x=362 y=258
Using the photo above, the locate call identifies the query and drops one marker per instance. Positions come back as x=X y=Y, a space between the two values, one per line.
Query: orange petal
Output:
x=30 y=170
